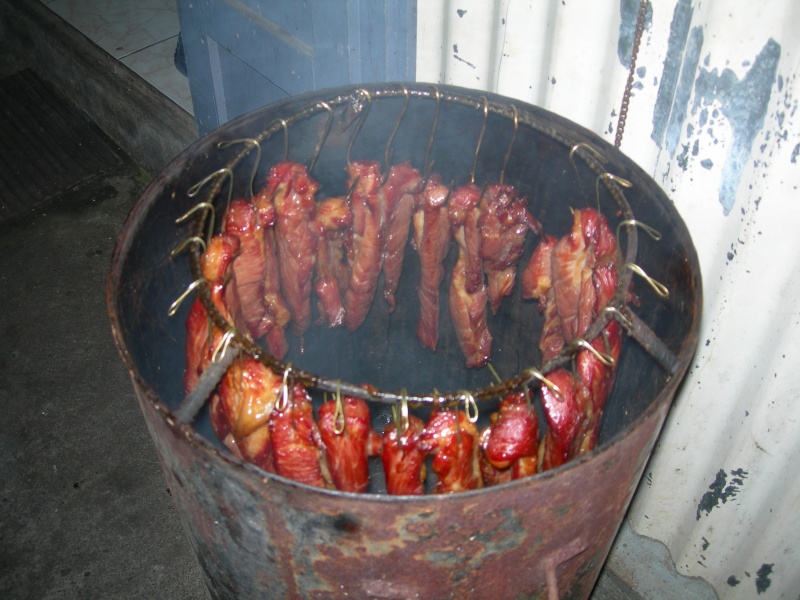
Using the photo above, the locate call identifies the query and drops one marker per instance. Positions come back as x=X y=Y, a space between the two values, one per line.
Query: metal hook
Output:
x=470 y=406
x=200 y=206
x=324 y=136
x=591 y=149
x=659 y=288
x=389 y=153
x=352 y=189
x=195 y=189
x=285 y=126
x=252 y=143
x=618 y=315
x=338 y=413
x=363 y=117
x=531 y=373
x=609 y=177
x=173 y=308
x=185 y=244
x=401 y=419
x=494 y=373
x=510 y=144
x=426 y=166
x=326 y=129
x=604 y=358
x=480 y=138
x=653 y=233
x=283 y=401
x=222 y=346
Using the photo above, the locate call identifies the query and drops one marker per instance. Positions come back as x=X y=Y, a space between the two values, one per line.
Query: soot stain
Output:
x=346 y=523
x=762 y=577
x=732 y=581
x=721 y=490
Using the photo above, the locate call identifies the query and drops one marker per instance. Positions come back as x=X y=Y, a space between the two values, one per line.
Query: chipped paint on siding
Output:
x=673 y=65
x=744 y=103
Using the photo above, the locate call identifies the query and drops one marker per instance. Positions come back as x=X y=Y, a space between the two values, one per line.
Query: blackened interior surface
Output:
x=384 y=351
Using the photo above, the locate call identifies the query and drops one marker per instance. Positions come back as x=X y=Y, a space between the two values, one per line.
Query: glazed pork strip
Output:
x=432 y=234
x=201 y=337
x=511 y=443
x=333 y=217
x=403 y=183
x=504 y=223
x=468 y=298
x=347 y=449
x=454 y=443
x=241 y=220
x=247 y=396
x=297 y=448
x=273 y=298
x=403 y=461
x=366 y=247
x=292 y=192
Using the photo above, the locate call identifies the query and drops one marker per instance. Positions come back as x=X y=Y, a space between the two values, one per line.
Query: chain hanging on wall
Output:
x=626 y=96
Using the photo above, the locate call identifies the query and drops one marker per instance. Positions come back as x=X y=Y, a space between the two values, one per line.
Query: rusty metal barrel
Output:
x=257 y=534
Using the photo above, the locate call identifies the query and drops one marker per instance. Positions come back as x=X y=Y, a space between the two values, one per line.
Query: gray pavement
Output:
x=84 y=511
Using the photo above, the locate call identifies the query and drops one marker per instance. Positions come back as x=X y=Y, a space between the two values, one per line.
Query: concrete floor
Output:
x=85 y=511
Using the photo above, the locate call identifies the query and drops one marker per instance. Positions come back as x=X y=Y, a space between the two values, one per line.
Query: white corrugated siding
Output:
x=714 y=120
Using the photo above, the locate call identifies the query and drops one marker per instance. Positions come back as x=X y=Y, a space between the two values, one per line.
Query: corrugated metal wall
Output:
x=714 y=120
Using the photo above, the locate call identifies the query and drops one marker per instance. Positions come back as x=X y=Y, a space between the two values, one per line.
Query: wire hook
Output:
x=653 y=233
x=185 y=244
x=604 y=358
x=613 y=310
x=363 y=117
x=207 y=206
x=659 y=288
x=195 y=189
x=251 y=143
x=480 y=138
x=613 y=179
x=173 y=308
x=338 y=413
x=388 y=154
x=222 y=346
x=283 y=401
x=470 y=406
x=401 y=417
x=426 y=166
x=510 y=144
x=530 y=373
x=325 y=131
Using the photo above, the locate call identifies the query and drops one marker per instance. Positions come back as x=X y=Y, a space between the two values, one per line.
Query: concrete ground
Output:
x=84 y=510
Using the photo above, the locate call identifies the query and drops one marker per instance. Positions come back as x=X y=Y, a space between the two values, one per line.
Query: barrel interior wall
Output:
x=384 y=351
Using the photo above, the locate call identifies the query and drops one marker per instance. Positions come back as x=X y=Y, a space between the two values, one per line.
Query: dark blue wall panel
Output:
x=242 y=54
